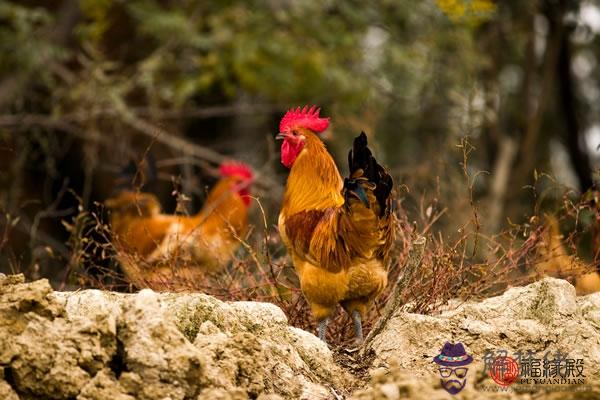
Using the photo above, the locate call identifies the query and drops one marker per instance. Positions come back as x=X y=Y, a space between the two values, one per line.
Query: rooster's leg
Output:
x=358 y=333
x=323 y=329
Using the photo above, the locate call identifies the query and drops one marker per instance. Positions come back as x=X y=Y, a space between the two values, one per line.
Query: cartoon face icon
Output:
x=452 y=362
x=453 y=378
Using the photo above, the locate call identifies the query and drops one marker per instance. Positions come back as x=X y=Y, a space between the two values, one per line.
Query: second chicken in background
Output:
x=169 y=252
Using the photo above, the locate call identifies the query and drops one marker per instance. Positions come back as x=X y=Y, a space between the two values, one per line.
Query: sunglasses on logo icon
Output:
x=459 y=372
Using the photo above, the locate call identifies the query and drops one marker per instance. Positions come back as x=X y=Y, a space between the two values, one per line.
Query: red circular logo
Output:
x=504 y=371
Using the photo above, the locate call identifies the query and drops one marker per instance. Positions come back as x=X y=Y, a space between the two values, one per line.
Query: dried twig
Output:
x=412 y=264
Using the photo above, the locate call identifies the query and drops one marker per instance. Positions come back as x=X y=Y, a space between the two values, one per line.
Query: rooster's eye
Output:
x=294 y=133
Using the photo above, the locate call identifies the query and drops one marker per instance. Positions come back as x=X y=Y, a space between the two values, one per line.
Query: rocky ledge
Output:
x=94 y=344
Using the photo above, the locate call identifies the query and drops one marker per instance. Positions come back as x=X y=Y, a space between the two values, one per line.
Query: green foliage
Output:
x=470 y=12
x=253 y=47
x=97 y=14
x=17 y=26
x=349 y=54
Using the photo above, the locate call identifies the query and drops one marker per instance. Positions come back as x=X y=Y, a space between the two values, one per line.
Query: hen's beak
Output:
x=280 y=136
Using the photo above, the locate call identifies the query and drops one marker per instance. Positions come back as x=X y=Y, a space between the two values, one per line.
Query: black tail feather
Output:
x=361 y=158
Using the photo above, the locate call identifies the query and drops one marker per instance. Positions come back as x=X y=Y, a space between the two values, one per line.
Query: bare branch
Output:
x=394 y=303
x=158 y=134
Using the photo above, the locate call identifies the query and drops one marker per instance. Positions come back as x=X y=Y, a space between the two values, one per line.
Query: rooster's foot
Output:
x=358 y=332
x=323 y=329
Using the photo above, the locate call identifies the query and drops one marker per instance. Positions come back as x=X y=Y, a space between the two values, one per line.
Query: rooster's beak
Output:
x=280 y=136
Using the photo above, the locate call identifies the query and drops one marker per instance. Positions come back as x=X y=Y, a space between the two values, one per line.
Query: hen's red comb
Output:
x=303 y=118
x=236 y=168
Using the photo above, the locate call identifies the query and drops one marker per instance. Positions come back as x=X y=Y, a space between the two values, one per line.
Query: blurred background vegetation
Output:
x=487 y=113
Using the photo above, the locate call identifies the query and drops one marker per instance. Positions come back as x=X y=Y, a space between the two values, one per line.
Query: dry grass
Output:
x=469 y=266
x=461 y=262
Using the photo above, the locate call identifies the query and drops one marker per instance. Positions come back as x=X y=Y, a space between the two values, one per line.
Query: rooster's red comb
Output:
x=236 y=168
x=303 y=118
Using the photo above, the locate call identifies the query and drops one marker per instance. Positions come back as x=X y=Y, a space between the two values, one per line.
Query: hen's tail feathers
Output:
x=367 y=175
x=135 y=175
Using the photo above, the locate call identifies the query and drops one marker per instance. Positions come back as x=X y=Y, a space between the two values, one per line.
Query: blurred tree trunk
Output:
x=568 y=100
x=501 y=147
x=504 y=144
x=500 y=182
x=536 y=88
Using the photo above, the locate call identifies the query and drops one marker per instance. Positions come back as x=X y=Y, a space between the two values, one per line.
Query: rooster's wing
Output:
x=363 y=228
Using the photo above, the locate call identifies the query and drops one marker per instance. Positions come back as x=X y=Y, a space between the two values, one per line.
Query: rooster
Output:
x=160 y=250
x=338 y=231
x=554 y=260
